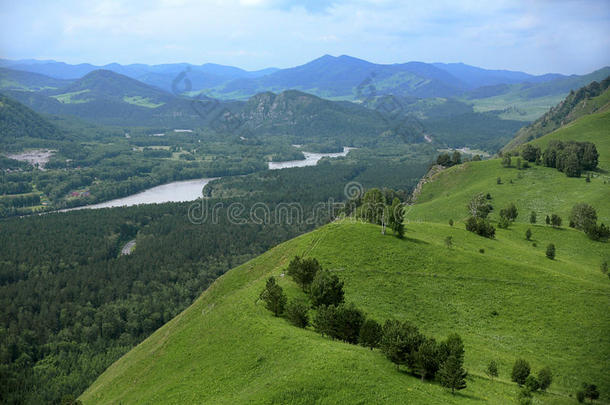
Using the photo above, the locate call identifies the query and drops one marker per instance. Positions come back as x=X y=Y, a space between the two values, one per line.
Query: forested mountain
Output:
x=586 y=100
x=18 y=121
x=11 y=79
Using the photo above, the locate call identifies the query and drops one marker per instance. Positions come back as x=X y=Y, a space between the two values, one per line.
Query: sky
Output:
x=535 y=36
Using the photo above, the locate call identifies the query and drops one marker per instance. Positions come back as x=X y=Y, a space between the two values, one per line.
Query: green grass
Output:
x=141 y=101
x=519 y=108
x=70 y=98
x=508 y=302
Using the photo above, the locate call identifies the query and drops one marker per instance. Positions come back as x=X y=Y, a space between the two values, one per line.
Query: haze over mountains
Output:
x=328 y=76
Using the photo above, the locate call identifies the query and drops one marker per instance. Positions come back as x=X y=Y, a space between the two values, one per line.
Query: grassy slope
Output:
x=227 y=349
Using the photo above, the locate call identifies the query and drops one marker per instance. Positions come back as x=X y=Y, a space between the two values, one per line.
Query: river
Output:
x=189 y=190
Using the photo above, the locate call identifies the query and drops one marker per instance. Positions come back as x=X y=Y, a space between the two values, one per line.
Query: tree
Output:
x=348 y=323
x=580 y=396
x=533 y=217
x=456 y=158
x=590 y=391
x=521 y=369
x=550 y=251
x=392 y=342
x=373 y=205
x=528 y=234
x=426 y=361
x=590 y=156
x=397 y=218
x=531 y=382
x=506 y=161
x=545 y=378
x=509 y=212
x=478 y=206
x=452 y=374
x=297 y=312
x=274 y=297
x=492 y=369
x=555 y=220
x=481 y=227
x=451 y=222
x=370 y=334
x=548 y=220
x=324 y=321
x=326 y=289
x=303 y=271
x=444 y=160
x=530 y=153
x=583 y=216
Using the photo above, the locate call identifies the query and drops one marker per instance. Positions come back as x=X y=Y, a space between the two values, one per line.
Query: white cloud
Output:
x=536 y=36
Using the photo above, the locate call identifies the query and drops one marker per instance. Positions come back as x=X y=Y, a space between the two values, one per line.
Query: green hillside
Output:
x=586 y=100
x=502 y=295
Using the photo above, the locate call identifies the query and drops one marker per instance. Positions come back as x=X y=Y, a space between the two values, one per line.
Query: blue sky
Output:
x=534 y=36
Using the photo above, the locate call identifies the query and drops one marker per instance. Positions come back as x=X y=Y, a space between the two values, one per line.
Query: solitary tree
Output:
x=452 y=374
x=370 y=334
x=478 y=206
x=506 y=161
x=492 y=369
x=274 y=297
x=451 y=222
x=521 y=369
x=528 y=234
x=533 y=217
x=548 y=220
x=545 y=378
x=550 y=251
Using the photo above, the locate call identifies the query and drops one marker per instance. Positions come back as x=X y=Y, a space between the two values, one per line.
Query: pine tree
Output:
x=370 y=334
x=452 y=374
x=274 y=297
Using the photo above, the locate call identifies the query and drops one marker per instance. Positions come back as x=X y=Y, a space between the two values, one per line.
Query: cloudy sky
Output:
x=536 y=36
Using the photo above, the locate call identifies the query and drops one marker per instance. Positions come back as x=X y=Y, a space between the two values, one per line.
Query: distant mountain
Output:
x=475 y=77
x=163 y=76
x=351 y=78
x=18 y=121
x=11 y=79
x=586 y=100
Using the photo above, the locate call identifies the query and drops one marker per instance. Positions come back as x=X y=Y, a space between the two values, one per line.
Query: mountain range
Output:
x=343 y=77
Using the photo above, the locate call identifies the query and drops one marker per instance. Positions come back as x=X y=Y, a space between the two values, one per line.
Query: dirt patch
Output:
x=39 y=157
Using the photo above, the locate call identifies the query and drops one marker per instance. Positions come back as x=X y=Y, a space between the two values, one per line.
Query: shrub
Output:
x=533 y=217
x=555 y=220
x=545 y=378
x=451 y=222
x=492 y=369
x=550 y=251
x=297 y=313
x=528 y=234
x=521 y=369
x=481 y=227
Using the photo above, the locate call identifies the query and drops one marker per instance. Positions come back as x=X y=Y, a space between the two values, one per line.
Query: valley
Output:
x=214 y=178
